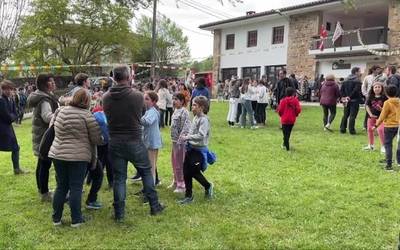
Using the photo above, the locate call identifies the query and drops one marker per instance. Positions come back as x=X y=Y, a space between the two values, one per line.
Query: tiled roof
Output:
x=269 y=12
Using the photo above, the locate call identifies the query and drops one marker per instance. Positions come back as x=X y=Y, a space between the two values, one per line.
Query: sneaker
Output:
x=47 y=197
x=209 y=194
x=186 y=200
x=254 y=127
x=94 y=205
x=78 y=224
x=57 y=223
x=158 y=183
x=145 y=200
x=172 y=186
x=383 y=150
x=241 y=126
x=157 y=210
x=389 y=168
x=368 y=148
x=136 y=178
x=179 y=190
x=19 y=171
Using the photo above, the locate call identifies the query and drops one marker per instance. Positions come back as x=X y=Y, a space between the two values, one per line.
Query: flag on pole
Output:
x=323 y=35
x=338 y=32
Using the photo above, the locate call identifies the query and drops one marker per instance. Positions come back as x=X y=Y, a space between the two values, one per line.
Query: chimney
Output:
x=251 y=12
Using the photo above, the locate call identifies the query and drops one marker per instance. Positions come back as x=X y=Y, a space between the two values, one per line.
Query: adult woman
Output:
x=76 y=134
x=8 y=115
x=329 y=95
x=247 y=92
x=234 y=94
x=163 y=99
x=44 y=104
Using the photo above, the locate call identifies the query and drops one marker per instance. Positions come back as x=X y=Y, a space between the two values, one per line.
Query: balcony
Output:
x=374 y=38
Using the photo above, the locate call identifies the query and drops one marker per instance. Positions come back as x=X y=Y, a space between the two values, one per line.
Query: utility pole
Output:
x=154 y=41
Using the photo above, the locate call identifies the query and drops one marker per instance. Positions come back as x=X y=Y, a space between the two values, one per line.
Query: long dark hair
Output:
x=371 y=92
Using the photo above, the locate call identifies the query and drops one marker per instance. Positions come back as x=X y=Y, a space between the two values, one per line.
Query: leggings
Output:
x=192 y=169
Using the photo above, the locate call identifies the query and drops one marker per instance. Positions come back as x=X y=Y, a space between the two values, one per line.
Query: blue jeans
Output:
x=135 y=152
x=70 y=176
x=247 y=110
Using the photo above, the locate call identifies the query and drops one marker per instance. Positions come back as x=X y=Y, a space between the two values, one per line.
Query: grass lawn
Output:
x=325 y=194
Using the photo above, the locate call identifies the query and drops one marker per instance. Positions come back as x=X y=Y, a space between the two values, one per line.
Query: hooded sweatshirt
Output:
x=390 y=115
x=44 y=105
x=288 y=109
x=123 y=107
x=329 y=93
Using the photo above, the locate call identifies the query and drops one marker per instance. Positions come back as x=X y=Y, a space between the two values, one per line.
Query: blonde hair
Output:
x=7 y=84
x=81 y=99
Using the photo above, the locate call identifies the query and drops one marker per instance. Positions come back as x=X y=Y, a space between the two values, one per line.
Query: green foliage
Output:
x=72 y=32
x=325 y=194
x=172 y=44
x=204 y=65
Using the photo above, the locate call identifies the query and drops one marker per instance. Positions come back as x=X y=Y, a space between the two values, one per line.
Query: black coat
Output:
x=351 y=88
x=281 y=87
x=8 y=114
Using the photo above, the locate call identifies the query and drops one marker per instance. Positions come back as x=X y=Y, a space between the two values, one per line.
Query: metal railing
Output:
x=373 y=35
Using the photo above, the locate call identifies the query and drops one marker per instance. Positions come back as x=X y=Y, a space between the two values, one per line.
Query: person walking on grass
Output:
x=123 y=107
x=351 y=98
x=390 y=117
x=374 y=104
x=8 y=115
x=179 y=128
x=197 y=155
x=329 y=96
x=44 y=104
x=151 y=131
x=76 y=135
x=288 y=110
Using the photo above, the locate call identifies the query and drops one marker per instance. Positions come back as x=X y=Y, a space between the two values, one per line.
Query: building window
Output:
x=252 y=38
x=272 y=71
x=230 y=41
x=228 y=73
x=278 y=35
x=252 y=72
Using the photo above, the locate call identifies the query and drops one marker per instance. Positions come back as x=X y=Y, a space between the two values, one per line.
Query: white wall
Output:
x=325 y=67
x=263 y=55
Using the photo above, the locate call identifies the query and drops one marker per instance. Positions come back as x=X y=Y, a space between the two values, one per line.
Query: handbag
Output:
x=47 y=139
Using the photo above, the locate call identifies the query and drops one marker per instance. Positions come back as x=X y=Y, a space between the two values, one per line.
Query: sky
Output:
x=188 y=18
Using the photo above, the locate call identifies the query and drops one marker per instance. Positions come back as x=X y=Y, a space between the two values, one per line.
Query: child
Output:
x=180 y=127
x=288 y=109
x=151 y=131
x=373 y=105
x=390 y=116
x=197 y=155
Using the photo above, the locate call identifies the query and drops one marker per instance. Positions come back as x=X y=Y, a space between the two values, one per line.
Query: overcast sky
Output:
x=189 y=18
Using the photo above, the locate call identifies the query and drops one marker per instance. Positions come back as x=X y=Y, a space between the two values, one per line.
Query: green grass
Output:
x=325 y=194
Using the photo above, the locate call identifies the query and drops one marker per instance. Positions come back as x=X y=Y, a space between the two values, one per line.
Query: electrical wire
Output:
x=210 y=9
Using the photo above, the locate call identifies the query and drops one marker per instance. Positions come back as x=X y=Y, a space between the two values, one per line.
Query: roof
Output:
x=268 y=13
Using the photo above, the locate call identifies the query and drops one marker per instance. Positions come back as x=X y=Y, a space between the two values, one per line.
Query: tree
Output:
x=172 y=45
x=10 y=19
x=73 y=32
x=204 y=65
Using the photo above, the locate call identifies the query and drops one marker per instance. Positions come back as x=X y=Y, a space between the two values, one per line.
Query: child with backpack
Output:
x=288 y=109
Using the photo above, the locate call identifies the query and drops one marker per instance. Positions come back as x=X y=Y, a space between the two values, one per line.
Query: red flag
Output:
x=323 y=35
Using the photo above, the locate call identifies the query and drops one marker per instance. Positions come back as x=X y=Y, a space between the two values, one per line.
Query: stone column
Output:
x=394 y=30
x=302 y=28
x=216 y=60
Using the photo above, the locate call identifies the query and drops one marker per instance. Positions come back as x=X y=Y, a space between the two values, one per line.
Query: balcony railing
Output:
x=373 y=35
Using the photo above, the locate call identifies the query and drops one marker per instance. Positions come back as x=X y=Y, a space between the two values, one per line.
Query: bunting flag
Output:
x=338 y=32
x=323 y=35
x=36 y=68
x=376 y=52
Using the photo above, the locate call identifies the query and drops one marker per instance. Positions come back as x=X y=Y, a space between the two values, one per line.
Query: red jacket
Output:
x=289 y=108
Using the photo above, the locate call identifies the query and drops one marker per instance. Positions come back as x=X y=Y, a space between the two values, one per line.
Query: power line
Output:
x=219 y=12
x=201 y=10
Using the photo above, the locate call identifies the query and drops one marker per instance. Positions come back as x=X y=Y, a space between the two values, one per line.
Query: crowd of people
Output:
x=86 y=131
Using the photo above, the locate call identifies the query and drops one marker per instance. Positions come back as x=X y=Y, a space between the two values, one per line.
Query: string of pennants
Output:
x=377 y=52
x=35 y=68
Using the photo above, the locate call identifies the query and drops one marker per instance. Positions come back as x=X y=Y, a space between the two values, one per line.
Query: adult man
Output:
x=8 y=115
x=123 y=107
x=282 y=85
x=393 y=77
x=351 y=98
x=294 y=81
x=81 y=80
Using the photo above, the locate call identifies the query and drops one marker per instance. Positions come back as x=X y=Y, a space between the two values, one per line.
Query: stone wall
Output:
x=216 y=58
x=301 y=30
x=394 y=30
